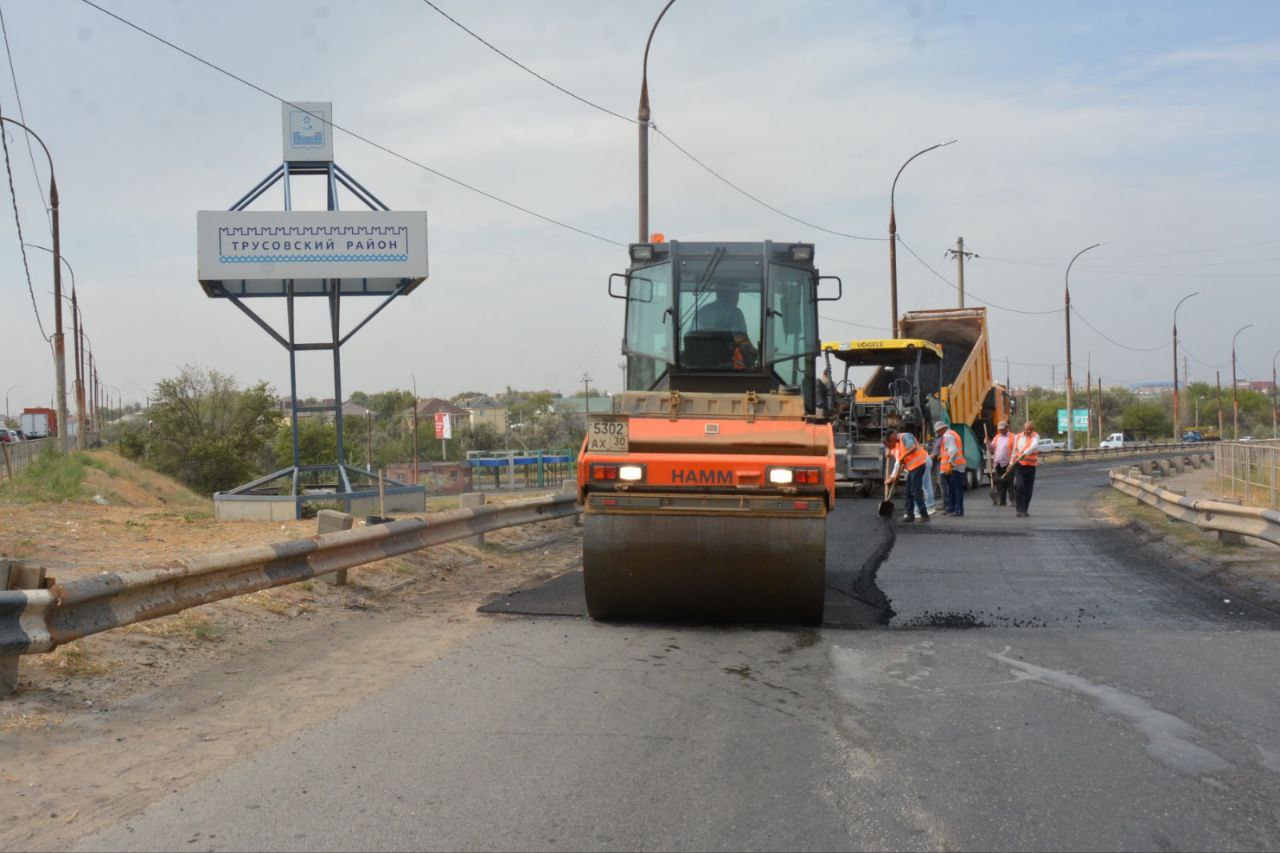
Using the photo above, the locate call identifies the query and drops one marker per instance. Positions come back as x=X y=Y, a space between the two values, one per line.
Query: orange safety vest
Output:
x=909 y=459
x=1024 y=449
x=948 y=459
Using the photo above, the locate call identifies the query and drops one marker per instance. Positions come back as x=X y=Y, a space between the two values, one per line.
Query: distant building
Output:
x=429 y=407
x=1151 y=389
x=485 y=410
x=578 y=405
x=349 y=409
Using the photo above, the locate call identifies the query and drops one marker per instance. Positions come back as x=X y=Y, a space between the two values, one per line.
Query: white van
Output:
x=1121 y=440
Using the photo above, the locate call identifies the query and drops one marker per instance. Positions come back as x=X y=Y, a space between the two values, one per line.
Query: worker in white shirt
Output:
x=1001 y=453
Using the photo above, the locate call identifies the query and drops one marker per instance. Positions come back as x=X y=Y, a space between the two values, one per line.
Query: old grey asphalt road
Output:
x=1045 y=684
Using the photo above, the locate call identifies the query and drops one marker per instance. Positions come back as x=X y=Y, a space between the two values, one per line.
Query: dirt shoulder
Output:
x=102 y=727
x=1251 y=570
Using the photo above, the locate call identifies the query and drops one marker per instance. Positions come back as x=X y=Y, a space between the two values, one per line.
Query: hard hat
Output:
x=939 y=425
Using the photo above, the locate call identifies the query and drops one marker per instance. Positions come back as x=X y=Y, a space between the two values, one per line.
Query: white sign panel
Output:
x=240 y=245
x=308 y=132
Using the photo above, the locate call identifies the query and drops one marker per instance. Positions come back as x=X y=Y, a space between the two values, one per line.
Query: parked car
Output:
x=9 y=436
x=1193 y=435
x=1123 y=440
x=1046 y=444
x=1245 y=438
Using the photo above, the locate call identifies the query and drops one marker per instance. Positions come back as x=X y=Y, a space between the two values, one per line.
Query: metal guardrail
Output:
x=1225 y=518
x=40 y=620
x=1250 y=469
x=1085 y=454
x=19 y=454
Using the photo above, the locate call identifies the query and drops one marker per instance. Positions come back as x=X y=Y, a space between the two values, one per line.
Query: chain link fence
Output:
x=1250 y=471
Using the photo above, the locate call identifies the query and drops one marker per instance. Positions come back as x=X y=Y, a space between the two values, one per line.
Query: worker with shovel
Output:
x=1001 y=453
x=907 y=455
x=1023 y=467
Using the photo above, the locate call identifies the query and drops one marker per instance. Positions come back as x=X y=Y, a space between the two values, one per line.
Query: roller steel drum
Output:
x=704 y=568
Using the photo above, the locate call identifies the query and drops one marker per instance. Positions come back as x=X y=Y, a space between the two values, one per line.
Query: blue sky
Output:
x=1150 y=126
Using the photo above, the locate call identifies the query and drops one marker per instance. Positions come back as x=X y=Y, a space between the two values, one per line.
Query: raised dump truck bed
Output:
x=972 y=401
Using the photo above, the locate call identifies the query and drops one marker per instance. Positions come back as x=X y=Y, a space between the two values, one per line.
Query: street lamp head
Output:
x=1237 y=334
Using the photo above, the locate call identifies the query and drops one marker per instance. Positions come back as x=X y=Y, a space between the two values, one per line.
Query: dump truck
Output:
x=706 y=489
x=900 y=396
x=970 y=400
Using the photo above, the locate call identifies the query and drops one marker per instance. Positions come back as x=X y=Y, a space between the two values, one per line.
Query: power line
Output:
x=13 y=196
x=968 y=293
x=654 y=128
x=352 y=133
x=1106 y=337
x=759 y=200
x=517 y=63
x=857 y=325
x=23 y=115
x=1134 y=270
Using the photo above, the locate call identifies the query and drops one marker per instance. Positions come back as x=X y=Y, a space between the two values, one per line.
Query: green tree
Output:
x=206 y=431
x=1146 y=420
x=317 y=443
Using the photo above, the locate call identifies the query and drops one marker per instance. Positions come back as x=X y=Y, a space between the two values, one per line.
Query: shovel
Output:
x=886 y=505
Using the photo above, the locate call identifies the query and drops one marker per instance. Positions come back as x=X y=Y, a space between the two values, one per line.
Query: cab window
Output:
x=720 y=309
x=649 y=326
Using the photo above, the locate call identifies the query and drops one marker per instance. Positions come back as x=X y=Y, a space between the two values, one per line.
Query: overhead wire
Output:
x=656 y=129
x=1112 y=340
x=17 y=220
x=22 y=114
x=352 y=133
x=968 y=292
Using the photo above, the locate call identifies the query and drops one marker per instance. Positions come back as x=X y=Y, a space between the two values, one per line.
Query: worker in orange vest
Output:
x=909 y=456
x=1025 y=459
x=952 y=465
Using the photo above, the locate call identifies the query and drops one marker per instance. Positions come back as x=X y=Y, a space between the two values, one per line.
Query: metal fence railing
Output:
x=1250 y=470
x=19 y=454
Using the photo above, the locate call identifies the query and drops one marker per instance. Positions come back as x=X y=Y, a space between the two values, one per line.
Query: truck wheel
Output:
x=973 y=479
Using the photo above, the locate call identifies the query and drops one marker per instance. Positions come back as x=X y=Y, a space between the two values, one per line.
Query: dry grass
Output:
x=72 y=661
x=35 y=720
x=188 y=626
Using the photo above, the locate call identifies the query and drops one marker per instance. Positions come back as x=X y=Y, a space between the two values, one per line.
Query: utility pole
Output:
x=1222 y=426
x=415 y=428
x=586 y=393
x=368 y=440
x=960 y=254
x=1177 y=412
x=1053 y=377
x=1088 y=387
x=1099 y=410
x=1235 y=387
x=1007 y=382
x=1273 y=395
x=81 y=439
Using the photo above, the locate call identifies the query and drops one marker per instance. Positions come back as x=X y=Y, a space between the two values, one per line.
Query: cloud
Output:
x=1239 y=55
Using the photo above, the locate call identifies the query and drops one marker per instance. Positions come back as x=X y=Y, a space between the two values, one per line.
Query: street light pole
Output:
x=893 y=238
x=59 y=345
x=1177 y=420
x=1071 y=423
x=642 y=125
x=6 y=401
x=77 y=343
x=1235 y=386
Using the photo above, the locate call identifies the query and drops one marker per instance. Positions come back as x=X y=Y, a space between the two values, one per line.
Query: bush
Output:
x=53 y=477
x=207 y=432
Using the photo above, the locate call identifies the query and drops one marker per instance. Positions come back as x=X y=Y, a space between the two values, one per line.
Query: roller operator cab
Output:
x=706 y=490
